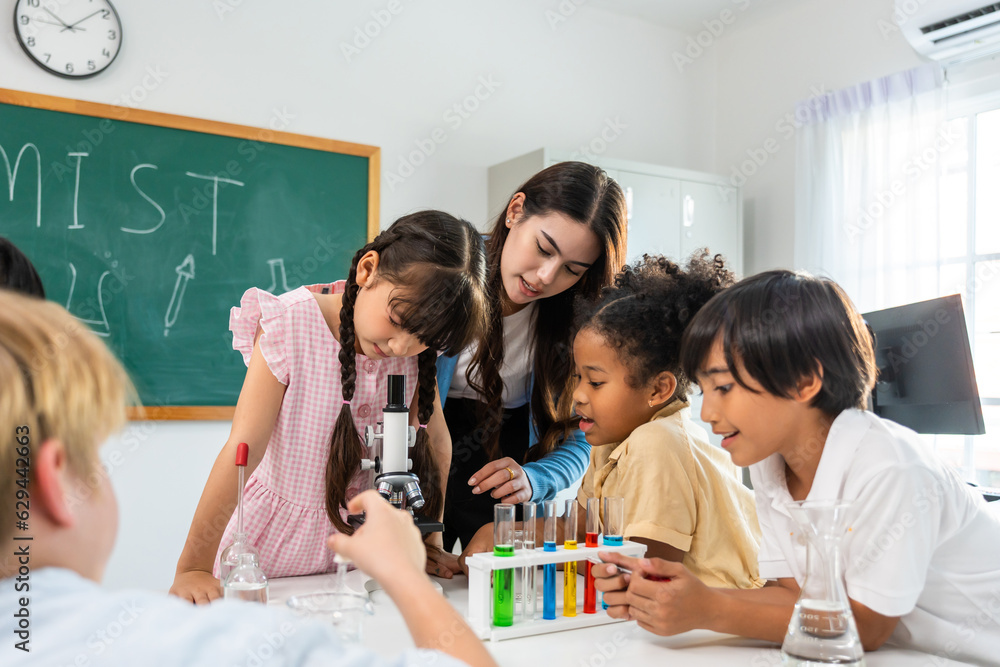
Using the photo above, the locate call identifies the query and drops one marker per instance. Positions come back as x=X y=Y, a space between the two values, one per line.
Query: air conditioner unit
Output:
x=950 y=31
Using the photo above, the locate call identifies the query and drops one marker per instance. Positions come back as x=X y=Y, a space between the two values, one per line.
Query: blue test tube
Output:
x=549 y=584
x=614 y=525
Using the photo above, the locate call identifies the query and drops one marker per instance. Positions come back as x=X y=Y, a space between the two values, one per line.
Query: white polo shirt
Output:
x=922 y=546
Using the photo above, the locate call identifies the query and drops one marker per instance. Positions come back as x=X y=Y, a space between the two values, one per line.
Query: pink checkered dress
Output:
x=284 y=511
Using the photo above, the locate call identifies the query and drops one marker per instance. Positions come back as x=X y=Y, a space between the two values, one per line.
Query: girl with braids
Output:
x=507 y=400
x=317 y=360
x=683 y=496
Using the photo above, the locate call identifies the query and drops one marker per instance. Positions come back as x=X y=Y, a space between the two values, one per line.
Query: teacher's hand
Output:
x=481 y=542
x=505 y=480
x=440 y=563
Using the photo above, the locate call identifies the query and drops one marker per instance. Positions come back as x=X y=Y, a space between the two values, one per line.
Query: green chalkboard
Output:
x=149 y=227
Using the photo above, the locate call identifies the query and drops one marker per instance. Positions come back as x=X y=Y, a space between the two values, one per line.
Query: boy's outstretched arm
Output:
x=388 y=547
x=684 y=603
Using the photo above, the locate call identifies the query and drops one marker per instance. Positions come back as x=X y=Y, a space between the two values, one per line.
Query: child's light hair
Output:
x=59 y=381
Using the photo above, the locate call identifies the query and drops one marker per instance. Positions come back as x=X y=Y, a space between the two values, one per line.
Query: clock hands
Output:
x=73 y=26
x=54 y=23
x=61 y=22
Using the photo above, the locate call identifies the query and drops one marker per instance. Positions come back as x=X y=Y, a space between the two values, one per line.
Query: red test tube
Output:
x=593 y=528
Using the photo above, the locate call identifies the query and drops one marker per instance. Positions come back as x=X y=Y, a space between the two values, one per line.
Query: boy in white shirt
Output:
x=786 y=364
x=62 y=393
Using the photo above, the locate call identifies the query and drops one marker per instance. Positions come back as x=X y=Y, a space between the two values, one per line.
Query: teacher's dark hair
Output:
x=584 y=193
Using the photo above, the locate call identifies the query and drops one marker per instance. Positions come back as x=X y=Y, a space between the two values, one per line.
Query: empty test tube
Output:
x=549 y=570
x=593 y=528
x=503 y=580
x=528 y=574
x=569 y=569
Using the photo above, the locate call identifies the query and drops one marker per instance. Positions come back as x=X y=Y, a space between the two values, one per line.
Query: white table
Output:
x=600 y=646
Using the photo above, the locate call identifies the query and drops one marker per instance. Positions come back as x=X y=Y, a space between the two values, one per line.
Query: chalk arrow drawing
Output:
x=185 y=272
x=103 y=322
x=277 y=265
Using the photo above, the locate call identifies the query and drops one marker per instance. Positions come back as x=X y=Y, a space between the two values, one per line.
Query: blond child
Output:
x=62 y=394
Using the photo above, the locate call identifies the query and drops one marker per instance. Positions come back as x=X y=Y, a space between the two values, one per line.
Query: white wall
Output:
x=282 y=66
x=769 y=60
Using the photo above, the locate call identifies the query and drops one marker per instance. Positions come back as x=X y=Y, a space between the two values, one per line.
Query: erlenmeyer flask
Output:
x=246 y=581
x=822 y=629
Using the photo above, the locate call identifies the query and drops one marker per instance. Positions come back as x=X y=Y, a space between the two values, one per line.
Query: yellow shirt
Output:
x=681 y=490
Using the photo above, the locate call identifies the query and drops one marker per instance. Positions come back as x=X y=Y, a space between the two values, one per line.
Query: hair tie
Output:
x=423 y=426
x=346 y=402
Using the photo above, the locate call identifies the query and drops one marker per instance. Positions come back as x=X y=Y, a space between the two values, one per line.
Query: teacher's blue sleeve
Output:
x=561 y=468
x=445 y=371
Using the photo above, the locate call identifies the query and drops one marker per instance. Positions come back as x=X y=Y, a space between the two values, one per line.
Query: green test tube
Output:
x=503 y=580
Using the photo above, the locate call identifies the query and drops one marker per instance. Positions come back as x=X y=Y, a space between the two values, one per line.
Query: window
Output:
x=898 y=200
x=969 y=238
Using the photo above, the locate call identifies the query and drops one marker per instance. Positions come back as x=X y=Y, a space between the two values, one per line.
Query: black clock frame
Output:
x=72 y=77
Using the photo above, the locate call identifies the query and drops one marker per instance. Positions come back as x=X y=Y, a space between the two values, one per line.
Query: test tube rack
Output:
x=481 y=568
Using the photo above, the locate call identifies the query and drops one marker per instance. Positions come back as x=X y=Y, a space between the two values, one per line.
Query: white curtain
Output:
x=869 y=167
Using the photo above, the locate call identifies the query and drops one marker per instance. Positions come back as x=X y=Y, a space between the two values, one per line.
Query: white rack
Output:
x=481 y=568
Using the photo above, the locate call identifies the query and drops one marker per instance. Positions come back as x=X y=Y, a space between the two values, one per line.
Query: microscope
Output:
x=393 y=480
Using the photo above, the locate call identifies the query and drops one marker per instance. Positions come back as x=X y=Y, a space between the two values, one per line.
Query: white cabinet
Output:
x=710 y=218
x=672 y=212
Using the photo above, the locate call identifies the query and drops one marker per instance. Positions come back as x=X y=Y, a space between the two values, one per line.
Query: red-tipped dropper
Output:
x=242 y=452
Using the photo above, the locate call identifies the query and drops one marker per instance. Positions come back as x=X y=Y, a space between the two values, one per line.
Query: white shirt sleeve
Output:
x=771 y=560
x=896 y=521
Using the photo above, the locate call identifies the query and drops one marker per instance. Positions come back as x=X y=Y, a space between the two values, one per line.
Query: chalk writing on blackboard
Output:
x=12 y=176
x=215 y=201
x=185 y=272
x=76 y=192
x=105 y=328
x=163 y=216
x=278 y=266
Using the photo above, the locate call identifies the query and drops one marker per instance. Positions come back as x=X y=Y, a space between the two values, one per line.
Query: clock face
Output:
x=71 y=38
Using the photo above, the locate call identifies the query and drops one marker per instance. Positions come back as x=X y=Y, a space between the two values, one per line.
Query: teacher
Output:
x=508 y=400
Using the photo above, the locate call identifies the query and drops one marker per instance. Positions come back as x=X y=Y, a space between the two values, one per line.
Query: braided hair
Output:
x=438 y=264
x=643 y=315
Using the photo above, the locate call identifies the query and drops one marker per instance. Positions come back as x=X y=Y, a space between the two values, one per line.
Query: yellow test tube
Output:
x=569 y=571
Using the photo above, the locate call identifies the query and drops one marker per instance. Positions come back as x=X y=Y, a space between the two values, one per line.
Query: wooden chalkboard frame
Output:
x=141 y=116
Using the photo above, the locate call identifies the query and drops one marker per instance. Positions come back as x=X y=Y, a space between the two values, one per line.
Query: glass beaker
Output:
x=822 y=629
x=344 y=611
x=246 y=581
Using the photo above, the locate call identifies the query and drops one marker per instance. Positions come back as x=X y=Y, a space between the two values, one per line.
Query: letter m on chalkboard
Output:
x=12 y=177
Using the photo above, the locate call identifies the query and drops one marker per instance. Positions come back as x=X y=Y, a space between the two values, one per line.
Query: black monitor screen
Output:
x=926 y=379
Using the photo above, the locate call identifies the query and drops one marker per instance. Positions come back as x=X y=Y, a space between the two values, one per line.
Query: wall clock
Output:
x=71 y=38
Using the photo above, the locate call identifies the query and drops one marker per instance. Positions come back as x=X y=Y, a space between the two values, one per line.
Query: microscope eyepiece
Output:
x=397 y=392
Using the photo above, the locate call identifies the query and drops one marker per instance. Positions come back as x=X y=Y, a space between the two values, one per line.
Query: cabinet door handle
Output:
x=688 y=210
